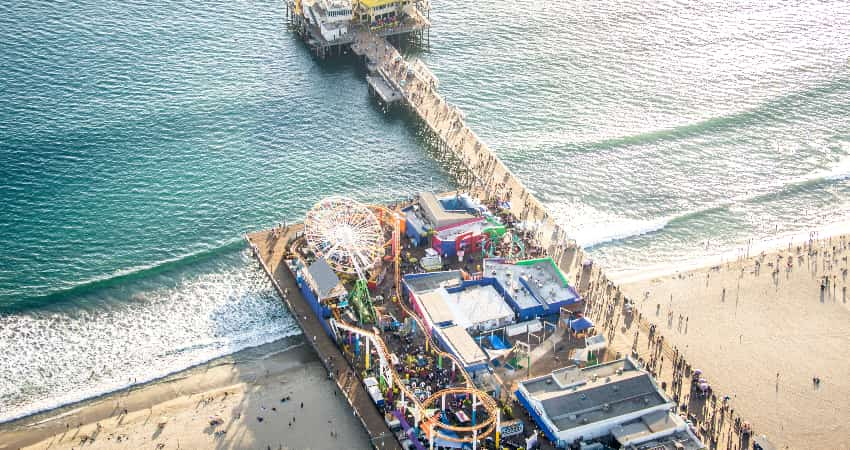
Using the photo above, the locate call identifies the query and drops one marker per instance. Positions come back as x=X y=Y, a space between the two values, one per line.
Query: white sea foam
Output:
x=593 y=234
x=731 y=253
x=590 y=227
x=839 y=171
x=61 y=355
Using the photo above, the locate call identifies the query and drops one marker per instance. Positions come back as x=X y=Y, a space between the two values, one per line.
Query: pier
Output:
x=269 y=248
x=392 y=79
x=327 y=37
x=470 y=161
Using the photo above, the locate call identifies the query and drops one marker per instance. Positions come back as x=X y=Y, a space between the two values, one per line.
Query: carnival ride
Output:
x=516 y=248
x=349 y=236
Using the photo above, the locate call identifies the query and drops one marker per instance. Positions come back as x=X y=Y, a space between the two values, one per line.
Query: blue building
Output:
x=534 y=287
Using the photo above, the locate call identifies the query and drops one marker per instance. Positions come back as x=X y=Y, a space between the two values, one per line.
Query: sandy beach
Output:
x=243 y=390
x=762 y=328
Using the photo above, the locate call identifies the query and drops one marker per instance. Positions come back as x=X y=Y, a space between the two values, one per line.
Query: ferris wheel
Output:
x=345 y=233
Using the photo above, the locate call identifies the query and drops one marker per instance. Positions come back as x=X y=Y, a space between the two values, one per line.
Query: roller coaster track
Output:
x=489 y=404
x=488 y=425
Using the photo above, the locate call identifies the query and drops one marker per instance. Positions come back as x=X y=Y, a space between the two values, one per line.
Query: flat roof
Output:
x=466 y=308
x=573 y=397
x=325 y=281
x=598 y=401
x=680 y=440
x=423 y=282
x=508 y=275
x=465 y=347
x=327 y=4
x=565 y=377
x=434 y=212
x=647 y=425
x=476 y=304
x=531 y=282
x=435 y=307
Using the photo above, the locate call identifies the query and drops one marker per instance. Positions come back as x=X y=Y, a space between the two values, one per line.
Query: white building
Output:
x=332 y=17
x=479 y=308
x=615 y=399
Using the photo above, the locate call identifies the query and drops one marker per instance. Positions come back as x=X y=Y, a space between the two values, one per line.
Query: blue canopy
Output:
x=498 y=343
x=581 y=324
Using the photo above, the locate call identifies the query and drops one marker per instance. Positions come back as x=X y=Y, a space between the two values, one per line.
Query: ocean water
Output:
x=139 y=140
x=661 y=132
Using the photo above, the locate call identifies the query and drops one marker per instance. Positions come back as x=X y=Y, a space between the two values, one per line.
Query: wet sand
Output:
x=238 y=389
x=742 y=322
x=761 y=330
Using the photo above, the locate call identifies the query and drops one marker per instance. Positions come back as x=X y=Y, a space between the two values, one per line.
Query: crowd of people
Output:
x=711 y=416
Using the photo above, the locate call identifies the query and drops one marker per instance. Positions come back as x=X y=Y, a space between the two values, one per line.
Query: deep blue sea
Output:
x=139 y=140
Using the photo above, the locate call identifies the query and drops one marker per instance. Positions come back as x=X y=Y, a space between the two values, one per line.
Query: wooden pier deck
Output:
x=476 y=168
x=270 y=251
x=471 y=161
x=384 y=91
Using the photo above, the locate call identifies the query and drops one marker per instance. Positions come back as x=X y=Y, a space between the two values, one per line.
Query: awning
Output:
x=580 y=324
x=580 y=355
x=595 y=342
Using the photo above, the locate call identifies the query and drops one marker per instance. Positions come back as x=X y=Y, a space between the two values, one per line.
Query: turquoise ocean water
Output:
x=138 y=141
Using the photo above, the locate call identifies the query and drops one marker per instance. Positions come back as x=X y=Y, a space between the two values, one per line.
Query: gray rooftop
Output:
x=575 y=397
x=569 y=376
x=324 y=277
x=597 y=401
x=508 y=276
x=680 y=440
x=436 y=214
x=647 y=425
x=433 y=281
x=541 y=277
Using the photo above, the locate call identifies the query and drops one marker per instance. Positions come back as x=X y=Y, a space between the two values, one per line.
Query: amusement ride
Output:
x=349 y=236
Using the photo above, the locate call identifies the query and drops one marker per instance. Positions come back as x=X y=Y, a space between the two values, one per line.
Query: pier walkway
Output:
x=270 y=252
x=472 y=162
x=478 y=170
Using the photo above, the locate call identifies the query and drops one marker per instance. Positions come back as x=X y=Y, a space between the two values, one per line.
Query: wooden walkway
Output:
x=270 y=252
x=476 y=168
x=472 y=162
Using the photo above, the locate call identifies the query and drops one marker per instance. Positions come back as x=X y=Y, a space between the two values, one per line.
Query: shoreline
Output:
x=156 y=379
x=225 y=387
x=39 y=427
x=769 y=331
x=770 y=245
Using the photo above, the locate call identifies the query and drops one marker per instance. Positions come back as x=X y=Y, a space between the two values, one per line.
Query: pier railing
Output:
x=472 y=162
